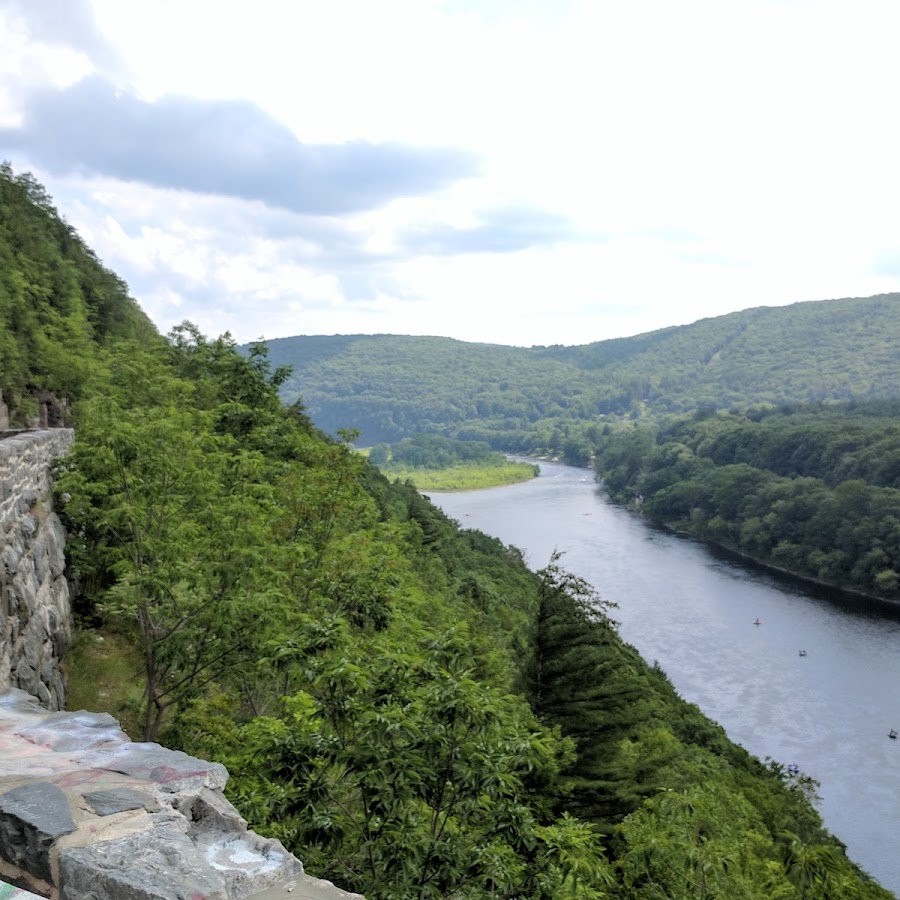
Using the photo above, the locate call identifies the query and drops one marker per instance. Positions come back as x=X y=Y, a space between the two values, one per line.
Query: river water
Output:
x=692 y=609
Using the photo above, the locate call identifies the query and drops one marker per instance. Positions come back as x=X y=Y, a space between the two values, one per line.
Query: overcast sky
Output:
x=512 y=171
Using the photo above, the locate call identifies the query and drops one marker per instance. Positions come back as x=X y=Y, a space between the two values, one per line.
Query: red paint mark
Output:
x=84 y=776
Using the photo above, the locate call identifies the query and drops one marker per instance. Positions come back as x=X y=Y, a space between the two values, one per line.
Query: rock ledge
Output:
x=84 y=812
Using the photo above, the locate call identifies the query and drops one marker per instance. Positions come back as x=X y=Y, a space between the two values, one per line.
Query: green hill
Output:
x=543 y=398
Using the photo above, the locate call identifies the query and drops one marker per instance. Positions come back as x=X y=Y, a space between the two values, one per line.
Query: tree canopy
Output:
x=815 y=490
x=58 y=304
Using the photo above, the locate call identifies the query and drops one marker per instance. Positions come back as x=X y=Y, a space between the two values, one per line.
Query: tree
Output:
x=699 y=844
x=580 y=681
x=401 y=775
x=174 y=513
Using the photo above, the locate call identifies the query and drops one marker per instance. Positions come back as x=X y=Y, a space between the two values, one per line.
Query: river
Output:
x=693 y=608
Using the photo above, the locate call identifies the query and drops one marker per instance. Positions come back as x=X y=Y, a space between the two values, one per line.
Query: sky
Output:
x=507 y=171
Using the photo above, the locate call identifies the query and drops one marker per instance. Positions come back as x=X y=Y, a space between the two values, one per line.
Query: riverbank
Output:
x=464 y=477
x=798 y=578
x=744 y=558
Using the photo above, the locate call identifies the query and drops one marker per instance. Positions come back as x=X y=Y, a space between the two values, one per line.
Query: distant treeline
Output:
x=812 y=489
x=432 y=451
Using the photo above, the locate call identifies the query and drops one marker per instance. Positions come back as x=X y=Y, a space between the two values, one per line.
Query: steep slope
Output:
x=58 y=303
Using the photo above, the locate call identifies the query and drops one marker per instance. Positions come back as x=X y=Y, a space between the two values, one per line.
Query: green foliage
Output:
x=103 y=674
x=432 y=451
x=150 y=488
x=582 y=680
x=466 y=477
x=397 y=387
x=435 y=463
x=685 y=812
x=542 y=400
x=810 y=490
x=57 y=302
x=707 y=842
x=398 y=773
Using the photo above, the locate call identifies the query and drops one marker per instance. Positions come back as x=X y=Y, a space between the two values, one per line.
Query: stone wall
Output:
x=35 y=613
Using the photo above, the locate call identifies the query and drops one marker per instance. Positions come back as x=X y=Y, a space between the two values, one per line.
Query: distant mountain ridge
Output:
x=391 y=386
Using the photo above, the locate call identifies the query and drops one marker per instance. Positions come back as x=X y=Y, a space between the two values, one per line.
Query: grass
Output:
x=464 y=477
x=102 y=670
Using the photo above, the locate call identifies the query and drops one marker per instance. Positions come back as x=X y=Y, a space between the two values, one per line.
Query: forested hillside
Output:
x=815 y=490
x=390 y=387
x=548 y=398
x=402 y=702
x=58 y=304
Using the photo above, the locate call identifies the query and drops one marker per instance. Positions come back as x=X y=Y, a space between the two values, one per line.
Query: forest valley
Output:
x=403 y=703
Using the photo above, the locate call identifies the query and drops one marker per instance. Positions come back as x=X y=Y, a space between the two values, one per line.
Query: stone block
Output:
x=55 y=542
x=39 y=555
x=166 y=867
x=32 y=818
x=172 y=770
x=209 y=811
x=10 y=601
x=58 y=623
x=26 y=679
x=116 y=800
x=28 y=525
x=44 y=696
x=18 y=701
x=248 y=862
x=10 y=557
x=26 y=590
x=48 y=666
x=67 y=731
x=8 y=892
x=59 y=690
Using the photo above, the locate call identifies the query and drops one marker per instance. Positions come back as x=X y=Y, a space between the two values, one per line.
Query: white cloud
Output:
x=25 y=62
x=642 y=164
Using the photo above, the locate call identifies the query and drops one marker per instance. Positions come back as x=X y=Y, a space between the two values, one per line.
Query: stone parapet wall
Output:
x=86 y=813
x=35 y=612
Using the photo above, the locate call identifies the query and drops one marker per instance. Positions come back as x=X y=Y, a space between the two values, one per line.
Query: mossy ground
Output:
x=102 y=670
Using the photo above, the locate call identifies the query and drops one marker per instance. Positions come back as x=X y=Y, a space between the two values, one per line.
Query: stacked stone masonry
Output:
x=35 y=615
